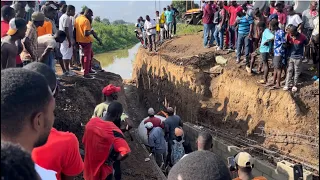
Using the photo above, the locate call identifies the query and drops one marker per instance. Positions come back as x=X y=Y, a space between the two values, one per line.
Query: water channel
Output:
x=119 y=61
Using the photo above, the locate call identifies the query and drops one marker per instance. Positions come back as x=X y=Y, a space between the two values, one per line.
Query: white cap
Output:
x=244 y=159
x=151 y=111
x=148 y=125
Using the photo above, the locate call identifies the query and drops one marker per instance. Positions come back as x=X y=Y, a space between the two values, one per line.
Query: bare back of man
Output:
x=9 y=51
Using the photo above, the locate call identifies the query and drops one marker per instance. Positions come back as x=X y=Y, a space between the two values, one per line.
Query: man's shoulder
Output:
x=66 y=137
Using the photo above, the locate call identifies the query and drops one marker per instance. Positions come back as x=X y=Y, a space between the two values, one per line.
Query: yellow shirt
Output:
x=162 y=18
x=102 y=108
x=81 y=25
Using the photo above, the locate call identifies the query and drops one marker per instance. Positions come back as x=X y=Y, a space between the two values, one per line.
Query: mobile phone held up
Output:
x=297 y=172
x=231 y=163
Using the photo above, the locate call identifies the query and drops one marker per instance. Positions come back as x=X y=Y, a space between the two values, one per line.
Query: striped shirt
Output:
x=244 y=24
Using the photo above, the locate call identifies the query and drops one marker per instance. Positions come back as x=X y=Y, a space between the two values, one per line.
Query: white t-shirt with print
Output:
x=294 y=20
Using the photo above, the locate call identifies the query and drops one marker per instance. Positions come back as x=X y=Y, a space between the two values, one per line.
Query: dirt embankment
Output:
x=75 y=103
x=232 y=101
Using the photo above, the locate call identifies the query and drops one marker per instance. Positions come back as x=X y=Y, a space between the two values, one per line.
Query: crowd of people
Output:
x=155 y=31
x=276 y=32
x=47 y=32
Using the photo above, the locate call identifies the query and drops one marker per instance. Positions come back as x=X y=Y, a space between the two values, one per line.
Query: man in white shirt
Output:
x=150 y=28
x=293 y=18
x=27 y=111
x=66 y=48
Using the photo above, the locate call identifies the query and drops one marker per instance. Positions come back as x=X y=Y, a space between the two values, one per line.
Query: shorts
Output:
x=277 y=62
x=57 y=53
x=66 y=52
x=264 y=57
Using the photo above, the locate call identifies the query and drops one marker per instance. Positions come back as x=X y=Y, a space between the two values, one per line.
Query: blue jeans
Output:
x=208 y=29
x=232 y=35
x=243 y=39
x=51 y=62
x=218 y=36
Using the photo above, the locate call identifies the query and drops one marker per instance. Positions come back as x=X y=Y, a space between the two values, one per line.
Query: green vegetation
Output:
x=183 y=29
x=113 y=37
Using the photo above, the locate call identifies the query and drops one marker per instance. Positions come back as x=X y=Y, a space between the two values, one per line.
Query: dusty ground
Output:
x=233 y=100
x=76 y=101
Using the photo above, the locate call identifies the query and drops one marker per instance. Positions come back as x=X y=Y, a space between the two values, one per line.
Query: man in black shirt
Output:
x=176 y=13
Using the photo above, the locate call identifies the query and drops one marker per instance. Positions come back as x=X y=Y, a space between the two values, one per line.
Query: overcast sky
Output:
x=129 y=11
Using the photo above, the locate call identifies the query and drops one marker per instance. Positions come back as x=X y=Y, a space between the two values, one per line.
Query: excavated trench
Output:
x=272 y=125
x=225 y=101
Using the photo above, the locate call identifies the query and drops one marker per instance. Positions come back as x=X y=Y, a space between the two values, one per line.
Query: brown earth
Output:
x=75 y=103
x=232 y=101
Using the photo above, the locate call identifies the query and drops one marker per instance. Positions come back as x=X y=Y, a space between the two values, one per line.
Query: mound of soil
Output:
x=75 y=103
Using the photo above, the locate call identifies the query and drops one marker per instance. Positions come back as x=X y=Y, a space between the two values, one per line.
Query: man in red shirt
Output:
x=7 y=13
x=154 y=120
x=65 y=160
x=208 y=27
x=232 y=27
x=104 y=143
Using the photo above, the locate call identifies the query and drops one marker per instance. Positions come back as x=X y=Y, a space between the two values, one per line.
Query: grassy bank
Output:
x=113 y=37
x=183 y=29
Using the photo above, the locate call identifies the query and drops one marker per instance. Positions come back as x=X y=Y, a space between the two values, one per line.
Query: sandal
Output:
x=261 y=82
x=286 y=88
x=294 y=89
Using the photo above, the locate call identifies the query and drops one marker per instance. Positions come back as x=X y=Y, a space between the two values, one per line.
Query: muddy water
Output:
x=119 y=61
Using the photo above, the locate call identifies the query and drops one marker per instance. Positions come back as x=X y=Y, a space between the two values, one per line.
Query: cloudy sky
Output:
x=129 y=11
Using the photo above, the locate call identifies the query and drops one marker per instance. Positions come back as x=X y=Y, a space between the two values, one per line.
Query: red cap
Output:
x=108 y=90
x=239 y=9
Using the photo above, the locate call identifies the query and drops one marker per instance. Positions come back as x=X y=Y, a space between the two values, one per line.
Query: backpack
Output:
x=177 y=151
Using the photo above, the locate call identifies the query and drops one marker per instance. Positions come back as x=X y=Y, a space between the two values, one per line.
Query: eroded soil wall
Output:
x=231 y=101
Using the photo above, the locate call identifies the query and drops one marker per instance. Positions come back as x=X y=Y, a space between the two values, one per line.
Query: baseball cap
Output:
x=170 y=109
x=151 y=111
x=110 y=89
x=244 y=159
x=239 y=9
x=148 y=125
x=15 y=24
x=273 y=16
x=37 y=16
x=178 y=132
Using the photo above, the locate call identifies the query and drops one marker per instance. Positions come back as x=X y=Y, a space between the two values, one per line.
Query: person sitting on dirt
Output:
x=244 y=166
x=16 y=163
x=66 y=160
x=180 y=147
x=203 y=165
x=27 y=111
x=154 y=120
x=171 y=123
x=100 y=157
x=110 y=93
x=265 y=47
x=157 y=143
x=297 y=42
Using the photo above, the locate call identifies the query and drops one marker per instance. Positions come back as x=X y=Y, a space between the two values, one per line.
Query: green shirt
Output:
x=101 y=110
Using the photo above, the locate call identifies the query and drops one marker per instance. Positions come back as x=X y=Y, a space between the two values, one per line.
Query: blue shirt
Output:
x=169 y=16
x=156 y=140
x=266 y=35
x=279 y=40
x=244 y=23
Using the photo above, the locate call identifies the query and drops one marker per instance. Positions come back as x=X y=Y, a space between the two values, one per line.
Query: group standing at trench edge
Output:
x=47 y=32
x=277 y=32
x=154 y=31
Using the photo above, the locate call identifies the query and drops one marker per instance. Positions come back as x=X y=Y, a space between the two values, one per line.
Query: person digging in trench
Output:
x=110 y=93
